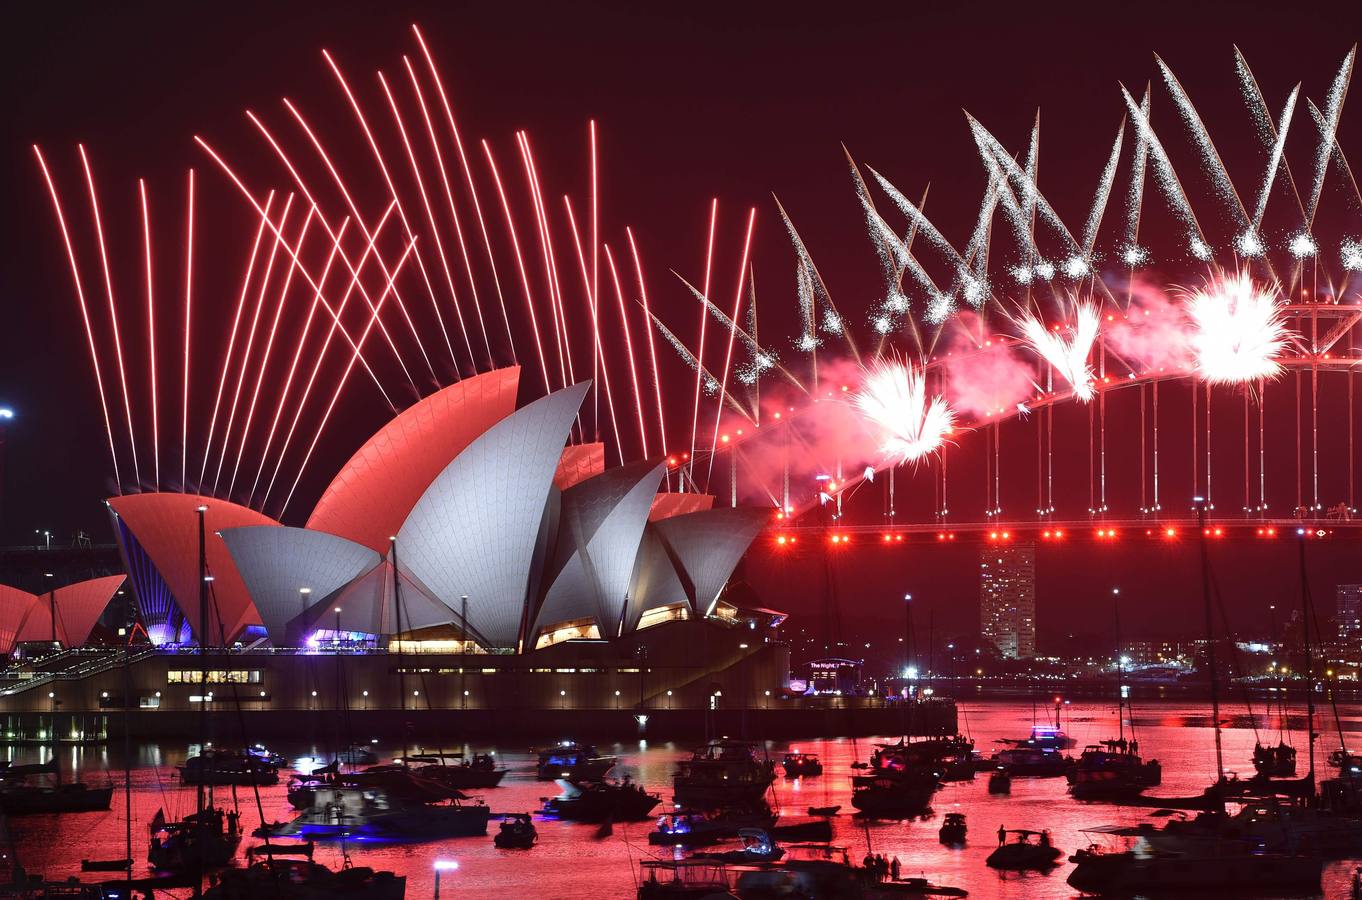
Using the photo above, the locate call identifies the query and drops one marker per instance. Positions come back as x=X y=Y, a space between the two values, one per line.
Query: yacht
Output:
x=20 y=795
x=601 y=801
x=693 y=828
x=1031 y=850
x=1033 y=762
x=890 y=792
x=457 y=772
x=572 y=761
x=517 y=832
x=1112 y=770
x=685 y=879
x=203 y=840
x=1213 y=865
x=280 y=877
x=228 y=767
x=723 y=773
x=342 y=812
x=798 y=765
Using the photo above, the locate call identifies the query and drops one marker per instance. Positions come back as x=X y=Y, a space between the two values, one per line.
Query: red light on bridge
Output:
x=1267 y=532
x=1214 y=532
x=1170 y=532
x=1106 y=534
x=671 y=461
x=1052 y=534
x=888 y=538
x=782 y=540
x=945 y=536
x=898 y=537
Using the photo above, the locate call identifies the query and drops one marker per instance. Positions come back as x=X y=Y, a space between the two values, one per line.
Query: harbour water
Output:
x=571 y=863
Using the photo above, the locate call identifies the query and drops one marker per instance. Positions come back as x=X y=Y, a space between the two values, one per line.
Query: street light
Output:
x=443 y=865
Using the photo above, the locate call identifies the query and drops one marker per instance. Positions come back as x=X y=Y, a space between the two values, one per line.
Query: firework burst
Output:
x=1067 y=350
x=1239 y=330
x=893 y=400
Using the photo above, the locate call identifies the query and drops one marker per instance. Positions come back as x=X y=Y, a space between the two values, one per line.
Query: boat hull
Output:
x=67 y=798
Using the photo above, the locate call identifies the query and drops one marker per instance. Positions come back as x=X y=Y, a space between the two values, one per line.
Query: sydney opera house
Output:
x=465 y=529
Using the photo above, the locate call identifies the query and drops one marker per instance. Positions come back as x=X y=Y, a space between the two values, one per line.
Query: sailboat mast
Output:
x=1120 y=673
x=401 y=673
x=1210 y=639
x=203 y=645
x=1306 y=614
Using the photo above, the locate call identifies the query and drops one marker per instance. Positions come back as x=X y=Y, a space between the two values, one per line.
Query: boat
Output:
x=893 y=793
x=228 y=767
x=203 y=840
x=357 y=755
x=757 y=847
x=1034 y=762
x=376 y=813
x=697 y=828
x=1275 y=762
x=1044 y=737
x=260 y=751
x=684 y=879
x=280 y=877
x=21 y=796
x=1112 y=770
x=602 y=801
x=824 y=810
x=517 y=832
x=571 y=761
x=723 y=773
x=911 y=887
x=953 y=829
x=1232 y=867
x=1000 y=782
x=798 y=765
x=457 y=772
x=1031 y=850
x=1273 y=824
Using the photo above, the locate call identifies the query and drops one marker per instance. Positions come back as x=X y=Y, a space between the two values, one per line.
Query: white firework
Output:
x=1066 y=350
x=893 y=399
x=1351 y=251
x=939 y=308
x=1199 y=249
x=1303 y=246
x=832 y=323
x=1045 y=270
x=1238 y=330
x=1135 y=256
x=1076 y=267
x=1249 y=244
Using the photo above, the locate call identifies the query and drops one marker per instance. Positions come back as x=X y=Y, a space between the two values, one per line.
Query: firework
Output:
x=893 y=400
x=1066 y=350
x=1239 y=330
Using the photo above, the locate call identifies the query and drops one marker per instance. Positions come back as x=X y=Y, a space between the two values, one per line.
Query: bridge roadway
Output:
x=1101 y=531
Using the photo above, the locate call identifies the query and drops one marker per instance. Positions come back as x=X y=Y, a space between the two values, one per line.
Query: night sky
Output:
x=736 y=101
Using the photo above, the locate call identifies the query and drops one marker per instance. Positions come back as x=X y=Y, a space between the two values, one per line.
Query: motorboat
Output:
x=21 y=795
x=571 y=761
x=1000 y=782
x=358 y=755
x=1043 y=737
x=260 y=751
x=757 y=847
x=1112 y=770
x=602 y=801
x=953 y=829
x=1031 y=850
x=1034 y=762
x=202 y=840
x=1273 y=824
x=723 y=773
x=517 y=832
x=279 y=876
x=342 y=812
x=1234 y=867
x=799 y=765
x=228 y=767
x=684 y=879
x=696 y=828
x=893 y=793
x=825 y=810
x=1275 y=762
x=458 y=772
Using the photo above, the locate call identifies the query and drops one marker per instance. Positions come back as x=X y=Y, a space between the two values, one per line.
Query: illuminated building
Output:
x=1007 y=598
x=464 y=520
x=1349 y=611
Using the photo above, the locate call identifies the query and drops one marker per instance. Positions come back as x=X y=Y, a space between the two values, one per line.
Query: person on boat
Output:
x=895 y=868
x=1002 y=835
x=869 y=861
x=1045 y=838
